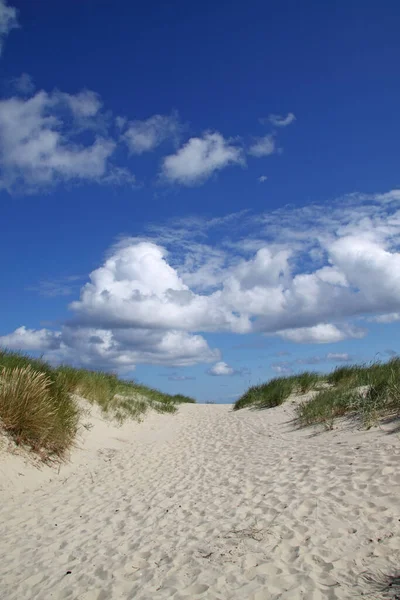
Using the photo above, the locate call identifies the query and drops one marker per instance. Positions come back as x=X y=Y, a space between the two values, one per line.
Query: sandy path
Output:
x=210 y=504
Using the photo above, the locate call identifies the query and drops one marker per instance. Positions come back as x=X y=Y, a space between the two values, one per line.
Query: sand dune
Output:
x=206 y=503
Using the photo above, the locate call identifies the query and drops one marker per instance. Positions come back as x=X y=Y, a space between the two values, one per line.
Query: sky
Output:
x=200 y=196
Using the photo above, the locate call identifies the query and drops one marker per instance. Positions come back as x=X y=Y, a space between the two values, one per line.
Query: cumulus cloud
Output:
x=119 y=349
x=280 y=120
x=8 y=21
x=31 y=339
x=36 y=143
x=262 y=178
x=306 y=274
x=242 y=291
x=221 y=368
x=144 y=136
x=263 y=146
x=200 y=158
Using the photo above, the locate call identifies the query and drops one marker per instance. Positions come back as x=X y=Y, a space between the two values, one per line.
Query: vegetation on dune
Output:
x=369 y=392
x=277 y=390
x=36 y=410
x=37 y=405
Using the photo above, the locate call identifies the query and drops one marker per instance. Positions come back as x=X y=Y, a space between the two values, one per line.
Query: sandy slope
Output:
x=204 y=504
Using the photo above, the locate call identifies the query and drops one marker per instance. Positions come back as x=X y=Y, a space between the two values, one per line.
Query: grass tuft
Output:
x=36 y=410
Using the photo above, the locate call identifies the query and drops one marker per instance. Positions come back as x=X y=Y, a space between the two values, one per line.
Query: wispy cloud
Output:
x=291 y=366
x=63 y=286
x=144 y=136
x=279 y=120
x=181 y=378
x=262 y=178
x=8 y=21
x=282 y=368
x=23 y=85
x=387 y=318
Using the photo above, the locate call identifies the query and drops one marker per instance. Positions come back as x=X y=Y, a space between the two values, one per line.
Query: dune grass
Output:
x=277 y=390
x=38 y=409
x=368 y=391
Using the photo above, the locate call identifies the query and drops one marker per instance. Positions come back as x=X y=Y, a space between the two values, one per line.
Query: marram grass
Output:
x=368 y=392
x=37 y=406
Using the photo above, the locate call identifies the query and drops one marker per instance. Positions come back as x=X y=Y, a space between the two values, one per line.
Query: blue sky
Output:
x=201 y=196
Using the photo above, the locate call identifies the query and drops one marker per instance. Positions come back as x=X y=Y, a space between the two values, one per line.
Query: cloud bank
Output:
x=307 y=275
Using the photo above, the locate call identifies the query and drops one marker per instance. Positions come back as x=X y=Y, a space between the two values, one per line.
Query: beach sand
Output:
x=208 y=503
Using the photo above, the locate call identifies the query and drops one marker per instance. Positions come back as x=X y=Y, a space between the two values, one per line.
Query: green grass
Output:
x=37 y=406
x=277 y=390
x=369 y=392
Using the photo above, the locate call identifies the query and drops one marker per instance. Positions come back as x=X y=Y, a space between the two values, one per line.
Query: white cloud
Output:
x=83 y=104
x=388 y=318
x=31 y=339
x=119 y=349
x=262 y=178
x=339 y=357
x=303 y=274
x=280 y=120
x=8 y=21
x=144 y=136
x=263 y=146
x=323 y=333
x=199 y=158
x=176 y=377
x=221 y=368
x=282 y=369
x=37 y=148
